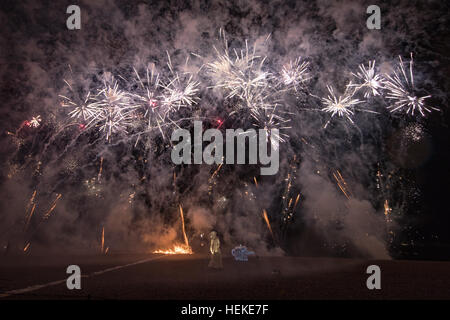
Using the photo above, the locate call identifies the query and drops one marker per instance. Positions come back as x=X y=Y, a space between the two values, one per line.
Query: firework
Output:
x=148 y=88
x=369 y=81
x=402 y=91
x=114 y=110
x=295 y=74
x=35 y=121
x=342 y=106
x=179 y=91
x=84 y=110
x=241 y=75
x=268 y=119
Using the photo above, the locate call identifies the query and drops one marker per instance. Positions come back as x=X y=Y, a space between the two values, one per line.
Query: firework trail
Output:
x=186 y=242
x=102 y=245
x=266 y=219
x=53 y=206
x=100 y=170
x=342 y=184
x=26 y=247
x=28 y=219
x=403 y=93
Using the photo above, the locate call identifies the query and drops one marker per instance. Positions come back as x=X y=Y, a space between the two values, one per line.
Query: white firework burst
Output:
x=342 y=106
x=241 y=75
x=402 y=91
x=295 y=74
x=35 y=121
x=269 y=118
x=147 y=98
x=369 y=80
x=114 y=110
x=179 y=91
x=83 y=110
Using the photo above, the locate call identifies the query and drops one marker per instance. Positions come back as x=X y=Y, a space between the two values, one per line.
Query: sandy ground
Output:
x=128 y=276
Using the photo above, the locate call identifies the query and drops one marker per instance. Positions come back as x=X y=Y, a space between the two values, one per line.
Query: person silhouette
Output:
x=216 y=256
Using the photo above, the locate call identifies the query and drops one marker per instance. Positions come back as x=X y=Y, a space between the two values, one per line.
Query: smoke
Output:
x=137 y=194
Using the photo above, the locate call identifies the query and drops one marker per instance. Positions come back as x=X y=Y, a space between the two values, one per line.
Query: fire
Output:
x=179 y=248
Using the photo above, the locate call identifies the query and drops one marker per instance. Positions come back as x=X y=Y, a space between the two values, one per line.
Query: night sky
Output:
x=137 y=197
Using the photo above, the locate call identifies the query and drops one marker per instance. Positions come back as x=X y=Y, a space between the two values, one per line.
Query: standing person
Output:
x=214 y=248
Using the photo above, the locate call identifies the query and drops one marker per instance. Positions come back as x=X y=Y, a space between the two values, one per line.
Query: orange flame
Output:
x=179 y=248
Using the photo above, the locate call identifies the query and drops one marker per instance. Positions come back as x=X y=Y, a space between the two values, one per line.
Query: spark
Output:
x=369 y=80
x=26 y=247
x=402 y=91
